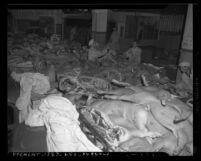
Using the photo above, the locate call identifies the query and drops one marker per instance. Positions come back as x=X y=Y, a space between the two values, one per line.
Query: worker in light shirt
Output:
x=186 y=80
x=134 y=54
x=93 y=52
x=73 y=33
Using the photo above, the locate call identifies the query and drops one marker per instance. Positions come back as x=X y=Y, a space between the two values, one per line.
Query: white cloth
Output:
x=60 y=117
x=36 y=82
x=34 y=118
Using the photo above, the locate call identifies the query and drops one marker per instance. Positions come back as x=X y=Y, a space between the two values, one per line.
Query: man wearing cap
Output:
x=134 y=54
x=186 y=80
x=93 y=52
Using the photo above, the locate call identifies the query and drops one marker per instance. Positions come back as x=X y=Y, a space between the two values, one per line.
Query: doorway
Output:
x=83 y=29
x=110 y=26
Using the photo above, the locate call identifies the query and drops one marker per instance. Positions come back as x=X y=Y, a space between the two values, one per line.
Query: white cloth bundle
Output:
x=60 y=117
x=36 y=82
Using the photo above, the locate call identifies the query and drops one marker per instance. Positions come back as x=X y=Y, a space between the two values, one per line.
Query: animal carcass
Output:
x=73 y=83
x=143 y=117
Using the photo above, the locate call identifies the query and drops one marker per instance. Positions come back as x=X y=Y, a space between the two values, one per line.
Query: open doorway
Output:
x=82 y=27
x=110 y=26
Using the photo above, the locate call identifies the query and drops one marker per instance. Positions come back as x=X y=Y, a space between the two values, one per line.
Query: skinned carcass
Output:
x=119 y=130
x=82 y=85
x=123 y=115
x=73 y=83
x=170 y=143
x=110 y=73
x=147 y=95
x=176 y=136
x=119 y=122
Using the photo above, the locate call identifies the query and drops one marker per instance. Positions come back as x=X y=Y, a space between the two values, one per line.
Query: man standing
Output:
x=186 y=80
x=93 y=52
x=134 y=54
x=72 y=33
x=114 y=40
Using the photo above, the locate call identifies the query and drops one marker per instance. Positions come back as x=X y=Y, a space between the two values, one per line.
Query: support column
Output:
x=99 y=25
x=187 y=42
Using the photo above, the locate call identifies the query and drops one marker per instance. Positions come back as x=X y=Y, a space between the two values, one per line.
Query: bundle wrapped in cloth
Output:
x=60 y=118
x=29 y=82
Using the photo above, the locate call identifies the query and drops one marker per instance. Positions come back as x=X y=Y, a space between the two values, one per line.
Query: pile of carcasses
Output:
x=112 y=119
x=22 y=49
x=27 y=51
x=105 y=94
